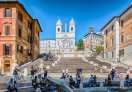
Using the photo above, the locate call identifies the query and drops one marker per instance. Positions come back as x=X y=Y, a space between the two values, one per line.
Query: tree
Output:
x=80 y=45
x=99 y=49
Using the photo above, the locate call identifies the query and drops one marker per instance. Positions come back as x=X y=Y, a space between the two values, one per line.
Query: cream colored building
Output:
x=118 y=38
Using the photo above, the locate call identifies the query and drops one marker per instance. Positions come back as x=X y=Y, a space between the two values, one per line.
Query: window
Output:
x=106 y=45
x=7 y=29
x=106 y=32
x=109 y=30
x=112 y=41
x=30 y=25
x=7 y=49
x=19 y=31
x=122 y=38
x=112 y=28
x=121 y=53
x=8 y=12
x=71 y=28
x=58 y=29
x=19 y=48
x=20 y=16
x=112 y=54
x=122 y=23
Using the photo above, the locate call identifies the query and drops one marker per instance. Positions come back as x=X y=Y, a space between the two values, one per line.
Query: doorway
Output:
x=6 y=66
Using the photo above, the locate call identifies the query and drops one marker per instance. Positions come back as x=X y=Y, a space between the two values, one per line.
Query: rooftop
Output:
x=116 y=17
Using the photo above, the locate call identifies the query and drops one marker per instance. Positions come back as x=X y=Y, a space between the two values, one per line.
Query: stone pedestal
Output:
x=25 y=72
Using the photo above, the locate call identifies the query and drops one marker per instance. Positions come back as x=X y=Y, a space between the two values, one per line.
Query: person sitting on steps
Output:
x=71 y=82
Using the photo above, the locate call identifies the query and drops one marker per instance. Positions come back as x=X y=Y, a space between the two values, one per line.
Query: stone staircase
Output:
x=72 y=64
x=103 y=62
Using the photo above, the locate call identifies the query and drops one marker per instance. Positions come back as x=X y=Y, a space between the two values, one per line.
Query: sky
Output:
x=86 y=13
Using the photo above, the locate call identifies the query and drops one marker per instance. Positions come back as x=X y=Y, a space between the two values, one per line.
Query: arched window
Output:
x=71 y=28
x=58 y=29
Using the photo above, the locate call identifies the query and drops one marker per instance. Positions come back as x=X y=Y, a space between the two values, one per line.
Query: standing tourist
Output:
x=45 y=74
x=15 y=74
x=78 y=80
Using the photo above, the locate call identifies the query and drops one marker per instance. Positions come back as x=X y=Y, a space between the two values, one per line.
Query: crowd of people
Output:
x=92 y=81
x=113 y=79
x=41 y=82
x=12 y=84
x=73 y=83
x=112 y=76
x=36 y=80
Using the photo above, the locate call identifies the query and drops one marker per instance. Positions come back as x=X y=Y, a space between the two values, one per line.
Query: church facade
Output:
x=65 y=37
x=64 y=41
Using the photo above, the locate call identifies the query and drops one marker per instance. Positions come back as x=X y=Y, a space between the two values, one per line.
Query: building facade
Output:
x=92 y=39
x=19 y=36
x=64 y=41
x=111 y=39
x=118 y=37
x=65 y=37
x=48 y=45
